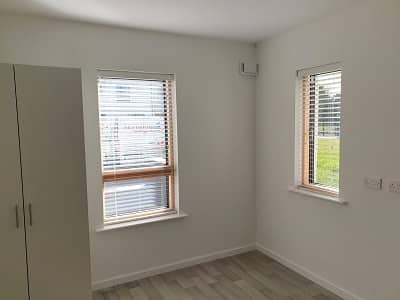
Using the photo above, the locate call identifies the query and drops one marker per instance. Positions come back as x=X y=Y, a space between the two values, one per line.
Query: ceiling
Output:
x=245 y=20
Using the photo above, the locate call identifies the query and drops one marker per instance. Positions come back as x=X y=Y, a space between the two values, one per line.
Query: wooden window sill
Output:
x=152 y=219
x=316 y=194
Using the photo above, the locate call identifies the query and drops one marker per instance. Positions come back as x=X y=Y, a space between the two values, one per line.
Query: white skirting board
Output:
x=308 y=274
x=98 y=285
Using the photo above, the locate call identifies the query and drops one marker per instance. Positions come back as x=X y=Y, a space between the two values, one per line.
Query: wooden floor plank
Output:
x=224 y=292
x=180 y=292
x=249 y=290
x=204 y=275
x=123 y=292
x=206 y=289
x=138 y=293
x=196 y=293
x=233 y=288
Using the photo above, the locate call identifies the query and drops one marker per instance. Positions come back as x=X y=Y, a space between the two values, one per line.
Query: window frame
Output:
x=169 y=170
x=302 y=135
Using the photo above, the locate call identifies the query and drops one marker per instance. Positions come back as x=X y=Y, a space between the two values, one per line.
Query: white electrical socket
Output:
x=394 y=187
x=373 y=183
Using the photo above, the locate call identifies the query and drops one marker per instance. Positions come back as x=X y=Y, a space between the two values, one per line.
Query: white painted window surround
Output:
x=301 y=191
x=155 y=219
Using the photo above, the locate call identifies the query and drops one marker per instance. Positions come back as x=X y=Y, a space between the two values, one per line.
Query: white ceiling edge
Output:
x=250 y=21
x=126 y=28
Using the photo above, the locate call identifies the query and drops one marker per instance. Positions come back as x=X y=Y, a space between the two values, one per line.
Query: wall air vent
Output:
x=248 y=69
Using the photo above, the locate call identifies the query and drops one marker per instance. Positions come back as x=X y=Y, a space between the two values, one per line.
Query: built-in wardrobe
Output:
x=44 y=246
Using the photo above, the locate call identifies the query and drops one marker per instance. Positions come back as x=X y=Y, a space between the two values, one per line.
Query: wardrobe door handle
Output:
x=30 y=213
x=16 y=216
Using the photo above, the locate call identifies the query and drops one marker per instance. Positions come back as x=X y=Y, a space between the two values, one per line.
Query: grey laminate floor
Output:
x=245 y=276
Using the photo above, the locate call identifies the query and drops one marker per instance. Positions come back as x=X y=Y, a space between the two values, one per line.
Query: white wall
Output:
x=216 y=132
x=357 y=246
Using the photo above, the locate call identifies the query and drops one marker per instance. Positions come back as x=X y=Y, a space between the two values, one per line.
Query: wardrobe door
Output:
x=53 y=172
x=13 y=277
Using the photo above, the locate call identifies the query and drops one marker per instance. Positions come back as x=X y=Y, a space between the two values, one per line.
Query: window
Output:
x=320 y=105
x=136 y=134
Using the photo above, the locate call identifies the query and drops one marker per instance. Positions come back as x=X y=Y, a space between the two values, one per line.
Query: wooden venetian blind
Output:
x=136 y=145
x=321 y=98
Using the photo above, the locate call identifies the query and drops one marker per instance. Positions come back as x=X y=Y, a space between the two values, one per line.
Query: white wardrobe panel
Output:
x=13 y=277
x=53 y=172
